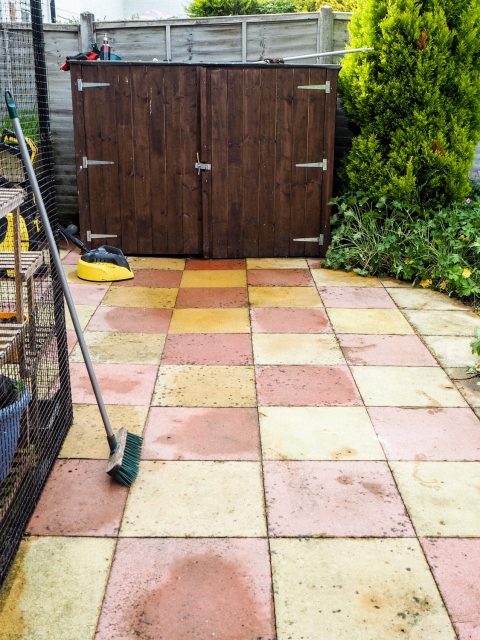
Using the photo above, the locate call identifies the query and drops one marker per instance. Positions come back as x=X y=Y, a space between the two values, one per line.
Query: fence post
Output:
x=87 y=35
x=325 y=25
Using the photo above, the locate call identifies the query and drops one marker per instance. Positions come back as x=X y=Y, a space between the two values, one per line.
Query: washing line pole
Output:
x=320 y=54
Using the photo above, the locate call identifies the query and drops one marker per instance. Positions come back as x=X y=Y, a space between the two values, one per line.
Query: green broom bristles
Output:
x=127 y=472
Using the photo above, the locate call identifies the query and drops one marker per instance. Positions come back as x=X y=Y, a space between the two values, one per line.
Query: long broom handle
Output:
x=12 y=111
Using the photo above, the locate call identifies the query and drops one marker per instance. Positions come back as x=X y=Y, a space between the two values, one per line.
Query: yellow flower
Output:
x=408 y=261
x=466 y=273
x=443 y=285
x=425 y=283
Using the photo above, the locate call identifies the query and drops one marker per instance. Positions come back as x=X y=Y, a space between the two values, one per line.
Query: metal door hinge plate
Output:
x=319 y=239
x=98 y=236
x=316 y=87
x=81 y=85
x=314 y=165
x=88 y=163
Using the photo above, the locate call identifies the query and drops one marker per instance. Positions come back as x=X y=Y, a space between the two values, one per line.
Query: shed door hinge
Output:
x=314 y=165
x=316 y=87
x=81 y=85
x=88 y=163
x=98 y=236
x=319 y=239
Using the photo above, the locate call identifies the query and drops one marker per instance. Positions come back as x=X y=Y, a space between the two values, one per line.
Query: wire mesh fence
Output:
x=35 y=400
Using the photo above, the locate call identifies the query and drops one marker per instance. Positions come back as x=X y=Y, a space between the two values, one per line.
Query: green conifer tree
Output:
x=415 y=99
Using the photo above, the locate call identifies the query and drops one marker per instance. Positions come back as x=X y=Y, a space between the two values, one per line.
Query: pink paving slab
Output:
x=130 y=384
x=290 y=320
x=306 y=385
x=214 y=265
x=195 y=589
x=90 y=294
x=385 y=350
x=79 y=499
x=215 y=297
x=71 y=340
x=179 y=433
x=455 y=563
x=153 y=278
x=130 y=320
x=280 y=278
x=356 y=298
x=208 y=348
x=427 y=434
x=330 y=498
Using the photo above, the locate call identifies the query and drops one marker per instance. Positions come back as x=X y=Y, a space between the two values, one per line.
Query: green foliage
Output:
x=437 y=248
x=415 y=99
x=207 y=8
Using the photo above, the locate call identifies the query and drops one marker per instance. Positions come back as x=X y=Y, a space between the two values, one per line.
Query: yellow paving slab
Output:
x=147 y=297
x=344 y=589
x=369 y=321
x=467 y=385
x=214 y=278
x=330 y=278
x=410 y=298
x=165 y=264
x=216 y=499
x=84 y=312
x=205 y=386
x=442 y=498
x=277 y=263
x=296 y=348
x=406 y=387
x=395 y=284
x=451 y=351
x=114 y=347
x=444 y=323
x=210 y=321
x=318 y=433
x=284 y=297
x=55 y=588
x=86 y=436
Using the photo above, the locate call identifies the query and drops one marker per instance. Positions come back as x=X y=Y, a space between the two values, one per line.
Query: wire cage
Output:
x=35 y=398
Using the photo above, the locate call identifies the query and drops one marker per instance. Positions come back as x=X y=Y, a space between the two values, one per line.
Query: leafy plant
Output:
x=435 y=248
x=206 y=8
x=475 y=344
x=414 y=99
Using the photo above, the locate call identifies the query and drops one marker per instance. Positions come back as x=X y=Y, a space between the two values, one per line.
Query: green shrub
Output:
x=415 y=99
x=209 y=8
x=437 y=248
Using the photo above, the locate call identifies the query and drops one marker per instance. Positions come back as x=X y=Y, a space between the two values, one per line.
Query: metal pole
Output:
x=320 y=54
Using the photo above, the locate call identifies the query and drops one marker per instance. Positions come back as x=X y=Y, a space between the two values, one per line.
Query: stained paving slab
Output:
x=310 y=467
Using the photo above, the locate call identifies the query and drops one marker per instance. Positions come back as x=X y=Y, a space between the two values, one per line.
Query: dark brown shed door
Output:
x=258 y=126
x=145 y=123
x=140 y=130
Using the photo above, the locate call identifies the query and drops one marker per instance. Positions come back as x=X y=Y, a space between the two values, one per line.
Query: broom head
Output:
x=124 y=462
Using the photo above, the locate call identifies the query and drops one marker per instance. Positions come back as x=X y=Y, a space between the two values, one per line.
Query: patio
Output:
x=310 y=463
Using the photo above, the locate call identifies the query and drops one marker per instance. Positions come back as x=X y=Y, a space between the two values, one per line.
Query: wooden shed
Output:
x=219 y=160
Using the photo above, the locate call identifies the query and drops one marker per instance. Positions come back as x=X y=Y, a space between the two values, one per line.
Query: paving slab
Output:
x=296 y=348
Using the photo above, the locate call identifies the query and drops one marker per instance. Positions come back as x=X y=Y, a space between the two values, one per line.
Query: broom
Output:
x=125 y=447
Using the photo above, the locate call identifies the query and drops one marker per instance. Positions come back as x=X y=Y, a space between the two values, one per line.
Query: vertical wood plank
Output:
x=330 y=114
x=267 y=160
x=234 y=142
x=299 y=155
x=191 y=181
x=126 y=170
x=206 y=150
x=158 y=160
x=80 y=151
x=316 y=153
x=219 y=203
x=141 y=91
x=174 y=138
x=283 y=170
x=251 y=161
